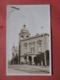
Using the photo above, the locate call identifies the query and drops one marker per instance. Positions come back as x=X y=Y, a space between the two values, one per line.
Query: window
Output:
x=27 y=36
x=32 y=47
x=22 y=36
x=25 y=47
x=33 y=43
x=39 y=42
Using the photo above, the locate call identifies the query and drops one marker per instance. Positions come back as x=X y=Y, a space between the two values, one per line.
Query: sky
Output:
x=33 y=16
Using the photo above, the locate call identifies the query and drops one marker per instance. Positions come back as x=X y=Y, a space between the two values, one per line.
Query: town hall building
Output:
x=32 y=49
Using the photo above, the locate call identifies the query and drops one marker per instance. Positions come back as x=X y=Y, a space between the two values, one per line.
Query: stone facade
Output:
x=31 y=46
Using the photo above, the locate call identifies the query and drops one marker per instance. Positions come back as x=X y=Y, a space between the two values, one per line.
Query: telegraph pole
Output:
x=44 y=46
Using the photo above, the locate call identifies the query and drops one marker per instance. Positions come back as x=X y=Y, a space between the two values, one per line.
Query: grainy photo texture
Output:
x=28 y=40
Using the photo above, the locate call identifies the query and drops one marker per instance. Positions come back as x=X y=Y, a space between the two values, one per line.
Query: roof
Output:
x=36 y=36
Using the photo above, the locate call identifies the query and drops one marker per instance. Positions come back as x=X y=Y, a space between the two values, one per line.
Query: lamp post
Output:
x=13 y=8
x=44 y=47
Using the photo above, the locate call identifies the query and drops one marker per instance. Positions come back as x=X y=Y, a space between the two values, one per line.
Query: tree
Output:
x=16 y=59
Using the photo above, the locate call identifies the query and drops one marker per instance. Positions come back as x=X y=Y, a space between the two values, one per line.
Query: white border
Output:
x=48 y=74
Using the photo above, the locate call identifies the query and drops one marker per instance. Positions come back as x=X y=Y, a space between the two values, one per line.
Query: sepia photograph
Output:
x=28 y=40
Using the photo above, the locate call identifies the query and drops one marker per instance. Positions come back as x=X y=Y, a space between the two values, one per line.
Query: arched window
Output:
x=21 y=37
x=27 y=36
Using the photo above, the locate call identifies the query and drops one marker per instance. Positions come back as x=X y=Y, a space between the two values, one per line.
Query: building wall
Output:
x=43 y=48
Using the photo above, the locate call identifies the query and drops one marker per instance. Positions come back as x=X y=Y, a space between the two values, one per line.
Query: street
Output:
x=27 y=69
x=15 y=72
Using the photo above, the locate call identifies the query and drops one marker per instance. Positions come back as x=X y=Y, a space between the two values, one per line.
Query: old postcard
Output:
x=28 y=40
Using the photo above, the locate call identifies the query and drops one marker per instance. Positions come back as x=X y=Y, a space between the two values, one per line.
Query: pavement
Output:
x=15 y=72
x=30 y=69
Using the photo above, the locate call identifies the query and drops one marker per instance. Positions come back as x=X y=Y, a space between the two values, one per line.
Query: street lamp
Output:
x=13 y=8
x=44 y=47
